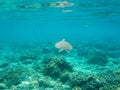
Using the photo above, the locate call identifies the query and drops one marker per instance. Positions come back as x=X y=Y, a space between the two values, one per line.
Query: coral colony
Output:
x=86 y=67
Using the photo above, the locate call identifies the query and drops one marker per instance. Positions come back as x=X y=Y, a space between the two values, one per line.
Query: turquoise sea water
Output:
x=29 y=59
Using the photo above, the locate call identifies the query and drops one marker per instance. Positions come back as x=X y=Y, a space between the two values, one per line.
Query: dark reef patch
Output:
x=97 y=57
x=13 y=76
x=54 y=66
x=111 y=80
x=85 y=82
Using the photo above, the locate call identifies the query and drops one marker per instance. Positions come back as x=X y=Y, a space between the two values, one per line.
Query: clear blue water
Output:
x=92 y=19
x=29 y=30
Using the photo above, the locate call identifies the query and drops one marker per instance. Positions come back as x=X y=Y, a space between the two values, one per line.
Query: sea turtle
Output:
x=63 y=45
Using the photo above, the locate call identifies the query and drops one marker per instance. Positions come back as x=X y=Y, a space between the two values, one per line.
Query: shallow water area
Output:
x=29 y=30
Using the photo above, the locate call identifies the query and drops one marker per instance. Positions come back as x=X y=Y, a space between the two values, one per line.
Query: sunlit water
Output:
x=39 y=20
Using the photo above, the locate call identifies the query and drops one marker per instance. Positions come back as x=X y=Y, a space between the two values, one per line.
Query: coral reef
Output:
x=97 y=57
x=29 y=54
x=85 y=82
x=40 y=67
x=12 y=77
x=111 y=80
x=65 y=77
x=54 y=66
x=114 y=54
x=46 y=50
